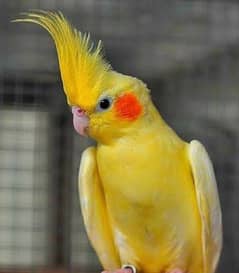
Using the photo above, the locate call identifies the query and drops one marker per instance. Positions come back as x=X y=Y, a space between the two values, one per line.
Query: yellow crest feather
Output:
x=83 y=69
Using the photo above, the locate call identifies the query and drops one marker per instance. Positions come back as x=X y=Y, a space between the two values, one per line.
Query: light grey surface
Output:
x=25 y=196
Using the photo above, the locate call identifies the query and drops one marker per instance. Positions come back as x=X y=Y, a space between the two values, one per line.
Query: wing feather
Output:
x=94 y=211
x=208 y=204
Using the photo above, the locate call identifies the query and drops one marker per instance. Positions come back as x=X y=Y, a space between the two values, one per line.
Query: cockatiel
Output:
x=149 y=200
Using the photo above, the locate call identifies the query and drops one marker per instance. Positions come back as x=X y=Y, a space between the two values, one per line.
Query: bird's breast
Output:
x=151 y=202
x=143 y=174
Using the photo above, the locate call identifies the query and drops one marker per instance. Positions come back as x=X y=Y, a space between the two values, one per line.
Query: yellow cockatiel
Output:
x=149 y=200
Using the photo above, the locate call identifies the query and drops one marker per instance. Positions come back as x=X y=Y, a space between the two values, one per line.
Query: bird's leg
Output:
x=120 y=270
x=130 y=270
x=124 y=269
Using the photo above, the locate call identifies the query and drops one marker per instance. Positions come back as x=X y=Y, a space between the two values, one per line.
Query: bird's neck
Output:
x=149 y=127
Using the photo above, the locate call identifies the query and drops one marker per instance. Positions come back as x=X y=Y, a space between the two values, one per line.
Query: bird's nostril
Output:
x=77 y=111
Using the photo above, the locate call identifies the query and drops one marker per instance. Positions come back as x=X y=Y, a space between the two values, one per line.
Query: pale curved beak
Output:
x=80 y=120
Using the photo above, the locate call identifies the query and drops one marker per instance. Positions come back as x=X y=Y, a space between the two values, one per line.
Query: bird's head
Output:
x=114 y=111
x=105 y=104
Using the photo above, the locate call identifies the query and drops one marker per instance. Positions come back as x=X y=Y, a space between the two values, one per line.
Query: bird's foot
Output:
x=120 y=270
x=131 y=270
x=124 y=269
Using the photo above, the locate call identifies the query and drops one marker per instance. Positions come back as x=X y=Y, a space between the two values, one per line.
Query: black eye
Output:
x=104 y=104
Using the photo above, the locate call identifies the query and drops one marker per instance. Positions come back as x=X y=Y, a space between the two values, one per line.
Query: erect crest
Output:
x=83 y=69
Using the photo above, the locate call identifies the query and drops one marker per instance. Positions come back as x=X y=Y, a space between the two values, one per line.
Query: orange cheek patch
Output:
x=128 y=107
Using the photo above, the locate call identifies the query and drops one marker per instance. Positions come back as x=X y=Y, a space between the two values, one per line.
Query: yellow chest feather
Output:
x=151 y=201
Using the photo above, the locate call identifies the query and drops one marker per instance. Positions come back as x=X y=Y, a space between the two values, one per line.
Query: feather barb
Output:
x=82 y=66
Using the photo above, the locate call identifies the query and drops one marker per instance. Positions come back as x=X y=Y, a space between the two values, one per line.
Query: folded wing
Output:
x=208 y=204
x=94 y=211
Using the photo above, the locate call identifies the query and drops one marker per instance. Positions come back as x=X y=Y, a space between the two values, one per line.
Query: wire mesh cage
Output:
x=186 y=51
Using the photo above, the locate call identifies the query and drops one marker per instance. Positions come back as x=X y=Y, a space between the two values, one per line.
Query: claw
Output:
x=120 y=270
x=128 y=269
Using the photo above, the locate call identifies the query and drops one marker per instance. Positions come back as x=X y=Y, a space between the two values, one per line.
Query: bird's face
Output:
x=115 y=111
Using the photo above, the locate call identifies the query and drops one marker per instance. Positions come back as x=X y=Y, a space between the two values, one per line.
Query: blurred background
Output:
x=188 y=54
